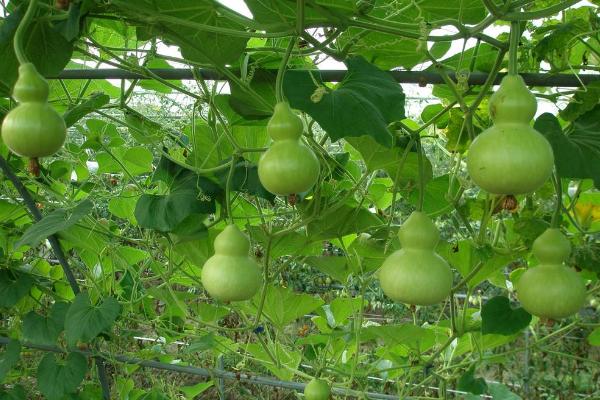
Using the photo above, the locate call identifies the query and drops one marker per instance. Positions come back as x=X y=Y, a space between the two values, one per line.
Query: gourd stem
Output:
x=282 y=67
x=421 y=174
x=513 y=51
x=228 y=190
x=18 y=39
x=557 y=210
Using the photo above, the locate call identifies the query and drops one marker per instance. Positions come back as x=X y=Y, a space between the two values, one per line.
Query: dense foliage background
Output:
x=139 y=192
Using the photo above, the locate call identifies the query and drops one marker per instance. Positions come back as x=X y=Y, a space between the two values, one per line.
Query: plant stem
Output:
x=558 y=208
x=421 y=161
x=228 y=190
x=18 y=39
x=513 y=51
x=282 y=67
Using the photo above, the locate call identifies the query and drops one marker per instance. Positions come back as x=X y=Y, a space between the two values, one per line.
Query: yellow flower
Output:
x=586 y=213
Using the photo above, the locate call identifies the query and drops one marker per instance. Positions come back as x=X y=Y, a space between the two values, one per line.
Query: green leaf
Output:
x=95 y=102
x=388 y=51
x=470 y=384
x=16 y=393
x=501 y=392
x=594 y=337
x=85 y=321
x=198 y=45
x=347 y=220
x=577 y=151
x=13 y=287
x=189 y=194
x=415 y=337
x=366 y=101
x=287 y=358
x=283 y=306
x=152 y=84
x=243 y=103
x=134 y=160
x=340 y=309
x=497 y=316
x=45 y=330
x=191 y=392
x=56 y=221
x=245 y=179
x=377 y=157
x=143 y=130
x=336 y=267
x=9 y=358
x=582 y=101
x=56 y=380
x=435 y=200
x=45 y=47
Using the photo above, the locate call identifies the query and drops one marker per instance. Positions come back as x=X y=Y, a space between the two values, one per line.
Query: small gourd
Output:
x=416 y=274
x=33 y=128
x=510 y=157
x=288 y=166
x=317 y=389
x=551 y=290
x=230 y=274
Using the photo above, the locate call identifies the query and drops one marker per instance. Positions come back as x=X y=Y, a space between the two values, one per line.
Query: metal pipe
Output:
x=207 y=373
x=417 y=77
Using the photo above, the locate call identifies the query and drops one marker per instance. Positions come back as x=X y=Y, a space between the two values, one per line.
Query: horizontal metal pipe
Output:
x=418 y=77
x=207 y=373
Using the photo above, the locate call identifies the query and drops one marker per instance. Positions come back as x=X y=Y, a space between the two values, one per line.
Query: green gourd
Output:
x=317 y=389
x=33 y=128
x=510 y=157
x=416 y=274
x=230 y=274
x=551 y=290
x=288 y=166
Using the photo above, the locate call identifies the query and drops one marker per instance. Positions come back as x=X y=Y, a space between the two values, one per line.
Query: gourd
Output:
x=230 y=274
x=551 y=290
x=510 y=157
x=33 y=129
x=317 y=389
x=416 y=274
x=288 y=166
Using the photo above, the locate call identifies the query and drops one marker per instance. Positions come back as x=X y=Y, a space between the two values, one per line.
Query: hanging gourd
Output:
x=230 y=274
x=416 y=274
x=288 y=166
x=511 y=157
x=33 y=128
x=551 y=290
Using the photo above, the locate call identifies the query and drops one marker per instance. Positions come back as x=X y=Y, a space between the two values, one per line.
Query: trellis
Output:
x=421 y=78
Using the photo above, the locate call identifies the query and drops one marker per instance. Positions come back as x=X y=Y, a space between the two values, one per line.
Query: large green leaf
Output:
x=594 y=337
x=245 y=179
x=279 y=15
x=409 y=335
x=9 y=358
x=188 y=194
x=377 y=157
x=13 y=287
x=366 y=101
x=283 y=306
x=289 y=359
x=469 y=383
x=84 y=321
x=56 y=380
x=45 y=330
x=45 y=46
x=497 y=316
x=577 y=150
x=168 y=19
x=56 y=221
